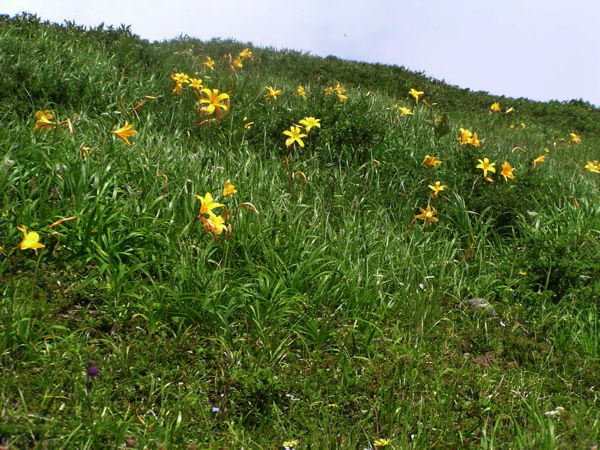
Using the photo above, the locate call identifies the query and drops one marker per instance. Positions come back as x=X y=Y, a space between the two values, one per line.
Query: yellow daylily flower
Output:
x=416 y=94
x=215 y=102
x=404 y=111
x=465 y=136
x=593 y=166
x=214 y=224
x=177 y=89
x=486 y=166
x=247 y=123
x=210 y=63
x=507 y=171
x=539 y=160
x=295 y=135
x=236 y=64
x=427 y=215
x=342 y=98
x=30 y=240
x=124 y=132
x=245 y=54
x=431 y=161
x=272 y=93
x=575 y=139
x=180 y=78
x=301 y=92
x=341 y=90
x=437 y=187
x=495 y=107
x=469 y=138
x=474 y=141
x=229 y=189
x=44 y=113
x=43 y=120
x=196 y=83
x=310 y=122
x=207 y=204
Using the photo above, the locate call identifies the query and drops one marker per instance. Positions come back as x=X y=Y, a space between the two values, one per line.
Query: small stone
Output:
x=483 y=305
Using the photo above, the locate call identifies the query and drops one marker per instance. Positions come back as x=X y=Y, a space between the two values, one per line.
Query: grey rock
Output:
x=481 y=304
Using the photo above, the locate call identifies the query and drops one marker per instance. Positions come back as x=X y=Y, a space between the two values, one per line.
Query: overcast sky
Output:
x=540 y=49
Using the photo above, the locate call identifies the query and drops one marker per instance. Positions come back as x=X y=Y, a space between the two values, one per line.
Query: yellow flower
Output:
x=210 y=63
x=575 y=139
x=468 y=137
x=495 y=107
x=437 y=187
x=196 y=83
x=378 y=443
x=465 y=136
x=404 y=111
x=416 y=94
x=177 y=89
x=207 y=204
x=44 y=119
x=229 y=189
x=427 y=215
x=486 y=166
x=488 y=179
x=341 y=90
x=507 y=171
x=593 y=166
x=124 y=132
x=329 y=90
x=236 y=64
x=30 y=240
x=246 y=54
x=247 y=123
x=431 y=161
x=44 y=113
x=272 y=94
x=214 y=102
x=290 y=444
x=523 y=125
x=180 y=78
x=213 y=224
x=295 y=135
x=310 y=122
x=301 y=92
x=342 y=98
x=539 y=160
x=509 y=110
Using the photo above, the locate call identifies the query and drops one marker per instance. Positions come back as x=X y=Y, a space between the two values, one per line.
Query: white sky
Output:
x=540 y=49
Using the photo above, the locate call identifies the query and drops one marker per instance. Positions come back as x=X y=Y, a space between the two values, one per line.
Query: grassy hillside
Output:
x=339 y=298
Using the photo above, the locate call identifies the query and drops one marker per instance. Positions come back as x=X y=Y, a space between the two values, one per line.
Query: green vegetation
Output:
x=332 y=316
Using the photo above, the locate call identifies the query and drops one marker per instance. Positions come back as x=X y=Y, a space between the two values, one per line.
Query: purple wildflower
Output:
x=93 y=371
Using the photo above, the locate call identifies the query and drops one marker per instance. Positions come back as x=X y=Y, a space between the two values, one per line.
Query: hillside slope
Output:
x=211 y=245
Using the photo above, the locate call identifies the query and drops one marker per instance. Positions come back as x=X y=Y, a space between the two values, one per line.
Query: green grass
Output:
x=326 y=317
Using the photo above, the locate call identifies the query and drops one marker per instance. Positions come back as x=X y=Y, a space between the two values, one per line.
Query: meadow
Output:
x=214 y=245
